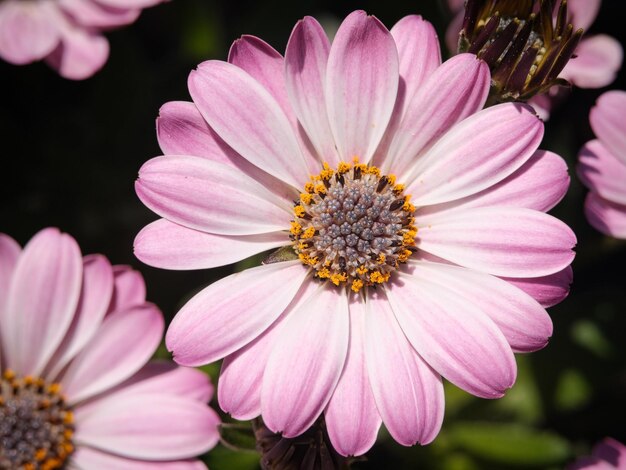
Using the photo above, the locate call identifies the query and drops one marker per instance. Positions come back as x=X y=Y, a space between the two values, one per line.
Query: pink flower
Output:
x=75 y=389
x=387 y=292
x=66 y=33
x=602 y=165
x=608 y=454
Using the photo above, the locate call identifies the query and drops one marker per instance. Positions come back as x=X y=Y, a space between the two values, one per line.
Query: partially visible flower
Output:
x=596 y=59
x=608 y=454
x=411 y=223
x=311 y=450
x=75 y=389
x=67 y=34
x=602 y=166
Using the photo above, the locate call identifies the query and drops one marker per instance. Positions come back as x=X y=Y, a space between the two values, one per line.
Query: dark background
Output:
x=71 y=151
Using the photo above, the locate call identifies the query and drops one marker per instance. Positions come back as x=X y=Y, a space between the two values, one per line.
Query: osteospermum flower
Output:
x=75 y=389
x=602 y=166
x=608 y=454
x=67 y=34
x=411 y=224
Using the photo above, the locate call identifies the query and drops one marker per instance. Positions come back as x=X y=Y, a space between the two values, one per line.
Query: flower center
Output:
x=36 y=426
x=353 y=226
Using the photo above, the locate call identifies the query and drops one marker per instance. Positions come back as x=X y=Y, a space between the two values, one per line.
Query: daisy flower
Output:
x=67 y=34
x=411 y=238
x=75 y=390
x=602 y=166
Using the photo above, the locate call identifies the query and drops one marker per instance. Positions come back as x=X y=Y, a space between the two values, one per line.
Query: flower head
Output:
x=64 y=33
x=528 y=45
x=411 y=224
x=602 y=166
x=75 y=389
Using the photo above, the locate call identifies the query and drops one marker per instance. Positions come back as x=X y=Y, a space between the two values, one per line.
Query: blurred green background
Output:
x=70 y=155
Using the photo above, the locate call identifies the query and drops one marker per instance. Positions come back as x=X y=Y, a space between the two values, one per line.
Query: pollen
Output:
x=320 y=189
x=296 y=228
x=353 y=225
x=357 y=285
x=299 y=211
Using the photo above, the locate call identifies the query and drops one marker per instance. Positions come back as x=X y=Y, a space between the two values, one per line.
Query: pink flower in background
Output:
x=415 y=243
x=66 y=33
x=598 y=57
x=75 y=389
x=608 y=454
x=602 y=166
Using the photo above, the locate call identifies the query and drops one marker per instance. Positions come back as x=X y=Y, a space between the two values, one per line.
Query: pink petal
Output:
x=306 y=362
x=523 y=321
x=453 y=30
x=95 y=15
x=232 y=312
x=123 y=344
x=590 y=463
x=611 y=451
x=9 y=253
x=305 y=73
x=547 y=290
x=582 y=13
x=408 y=393
x=264 y=64
x=210 y=197
x=181 y=130
x=42 y=300
x=352 y=419
x=361 y=85
x=241 y=376
x=602 y=172
x=149 y=426
x=164 y=244
x=267 y=66
x=27 y=32
x=85 y=457
x=129 y=3
x=545 y=172
x=607 y=217
x=95 y=297
x=598 y=59
x=418 y=53
x=419 y=56
x=607 y=121
x=477 y=153
x=130 y=289
x=81 y=52
x=247 y=117
x=455 y=90
x=453 y=336
x=167 y=378
x=505 y=241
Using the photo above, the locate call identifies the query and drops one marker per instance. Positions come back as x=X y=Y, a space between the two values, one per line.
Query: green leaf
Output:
x=510 y=443
x=222 y=458
x=573 y=390
x=588 y=335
